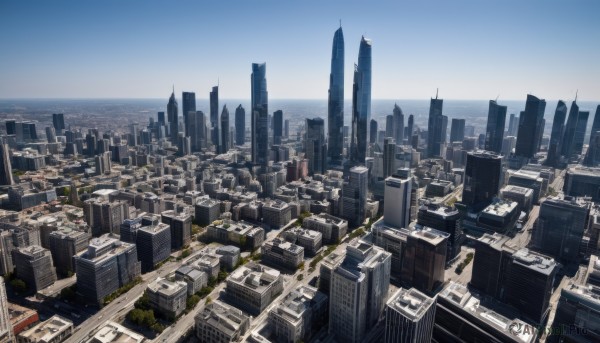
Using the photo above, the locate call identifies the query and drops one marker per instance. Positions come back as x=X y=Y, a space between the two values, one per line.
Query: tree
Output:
x=18 y=285
x=192 y=302
x=221 y=276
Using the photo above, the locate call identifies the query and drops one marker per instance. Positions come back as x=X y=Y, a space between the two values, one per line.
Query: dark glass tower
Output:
x=173 y=117
x=457 y=130
x=58 y=121
x=6 y=176
x=361 y=103
x=567 y=147
x=513 y=125
x=335 y=106
x=435 y=128
x=188 y=104
x=530 y=124
x=315 y=145
x=482 y=179
x=595 y=124
x=240 y=125
x=373 y=128
x=558 y=128
x=398 y=125
x=260 y=117
x=214 y=116
x=277 y=127
x=410 y=127
x=593 y=153
x=224 y=146
x=578 y=138
x=495 y=127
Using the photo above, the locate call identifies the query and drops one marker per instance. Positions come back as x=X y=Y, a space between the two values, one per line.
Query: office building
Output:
x=513 y=125
x=410 y=127
x=570 y=128
x=457 y=130
x=436 y=128
x=50 y=134
x=389 y=126
x=153 y=245
x=277 y=127
x=335 y=102
x=167 y=297
x=359 y=288
x=224 y=145
x=214 y=116
x=389 y=157
x=112 y=332
x=582 y=181
x=194 y=278
x=6 y=175
x=310 y=240
x=54 y=330
x=465 y=316
x=354 y=196
x=207 y=211
x=373 y=130
x=529 y=179
x=242 y=234
x=315 y=146
x=445 y=219
x=65 y=243
x=229 y=256
x=104 y=216
x=188 y=104
x=6 y=329
x=332 y=228
x=409 y=317
x=106 y=265
x=276 y=213
x=259 y=115
x=500 y=216
x=560 y=227
x=482 y=179
x=398 y=125
x=220 y=323
x=530 y=127
x=282 y=254
x=240 y=125
x=207 y=262
x=361 y=103
x=495 y=127
x=580 y=130
x=34 y=265
x=173 y=117
x=181 y=228
x=299 y=315
x=424 y=259
x=491 y=263
x=58 y=122
x=396 y=211
x=195 y=126
x=328 y=265
x=521 y=195
x=556 y=136
x=253 y=287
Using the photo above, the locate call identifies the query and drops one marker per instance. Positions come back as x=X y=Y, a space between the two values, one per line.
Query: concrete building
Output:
x=243 y=234
x=105 y=216
x=153 y=245
x=181 y=228
x=220 y=323
x=492 y=259
x=276 y=213
x=208 y=263
x=34 y=266
x=310 y=240
x=582 y=181
x=409 y=317
x=299 y=315
x=194 y=278
x=6 y=329
x=229 y=256
x=112 y=332
x=253 y=287
x=332 y=228
x=166 y=297
x=106 y=265
x=521 y=195
x=207 y=211
x=447 y=220
x=359 y=289
x=354 y=196
x=328 y=265
x=396 y=211
x=64 y=244
x=281 y=253
x=500 y=216
x=531 y=180
x=54 y=330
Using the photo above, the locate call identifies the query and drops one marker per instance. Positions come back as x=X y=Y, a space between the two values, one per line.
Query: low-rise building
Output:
x=310 y=240
x=229 y=256
x=253 y=287
x=281 y=253
x=166 y=297
x=112 y=332
x=332 y=228
x=195 y=279
x=220 y=323
x=54 y=330
x=207 y=262
x=276 y=213
x=34 y=266
x=242 y=234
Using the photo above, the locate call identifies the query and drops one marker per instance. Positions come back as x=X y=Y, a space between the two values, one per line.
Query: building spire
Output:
x=173 y=88
x=577 y=91
x=340 y=23
x=436 y=93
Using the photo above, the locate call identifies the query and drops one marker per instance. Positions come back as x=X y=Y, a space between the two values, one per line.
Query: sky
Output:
x=139 y=49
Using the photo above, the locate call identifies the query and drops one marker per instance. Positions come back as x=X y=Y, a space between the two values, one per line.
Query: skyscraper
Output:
x=592 y=156
x=396 y=210
x=361 y=103
x=556 y=137
x=58 y=121
x=50 y=134
x=6 y=329
x=335 y=105
x=277 y=127
x=595 y=124
x=240 y=125
x=389 y=126
x=224 y=146
x=436 y=130
x=373 y=128
x=398 y=125
x=530 y=126
x=567 y=146
x=188 y=104
x=582 y=120
x=482 y=179
x=260 y=121
x=173 y=117
x=409 y=317
x=354 y=196
x=389 y=156
x=315 y=145
x=6 y=176
x=513 y=125
x=457 y=130
x=495 y=127
x=411 y=127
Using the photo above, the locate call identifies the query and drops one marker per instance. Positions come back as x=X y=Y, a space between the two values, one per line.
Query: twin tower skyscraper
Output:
x=361 y=103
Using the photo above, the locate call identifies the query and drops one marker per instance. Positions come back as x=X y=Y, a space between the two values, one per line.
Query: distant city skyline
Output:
x=67 y=49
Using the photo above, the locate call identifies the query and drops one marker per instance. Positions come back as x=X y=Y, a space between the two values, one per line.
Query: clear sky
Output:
x=138 y=49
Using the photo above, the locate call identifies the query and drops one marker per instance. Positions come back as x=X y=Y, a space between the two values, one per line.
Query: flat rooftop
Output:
x=48 y=330
x=112 y=332
x=532 y=260
x=166 y=287
x=255 y=276
x=500 y=209
x=517 y=190
x=410 y=303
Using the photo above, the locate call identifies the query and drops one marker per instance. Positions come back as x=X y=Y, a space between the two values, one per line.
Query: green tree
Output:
x=18 y=285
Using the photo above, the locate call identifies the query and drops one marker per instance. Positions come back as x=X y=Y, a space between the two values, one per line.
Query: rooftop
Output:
x=166 y=287
x=46 y=331
x=226 y=319
x=535 y=261
x=411 y=303
x=430 y=235
x=112 y=332
x=517 y=189
x=500 y=208
x=255 y=276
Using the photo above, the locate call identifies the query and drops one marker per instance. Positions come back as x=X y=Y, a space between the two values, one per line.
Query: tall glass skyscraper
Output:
x=436 y=128
x=260 y=117
x=361 y=103
x=495 y=127
x=214 y=115
x=224 y=146
x=188 y=104
x=558 y=128
x=335 y=111
x=398 y=125
x=530 y=124
x=567 y=147
x=315 y=147
x=240 y=125
x=277 y=127
x=173 y=117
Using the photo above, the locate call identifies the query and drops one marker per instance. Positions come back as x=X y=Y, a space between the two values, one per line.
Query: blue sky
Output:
x=138 y=49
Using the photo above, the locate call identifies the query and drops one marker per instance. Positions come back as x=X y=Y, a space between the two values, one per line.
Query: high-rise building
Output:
x=50 y=134
x=410 y=128
x=224 y=133
x=592 y=157
x=161 y=118
x=424 y=260
x=361 y=103
x=6 y=175
x=6 y=329
x=65 y=243
x=34 y=265
x=335 y=104
x=359 y=288
x=398 y=125
x=173 y=117
x=447 y=220
x=396 y=211
x=259 y=121
x=277 y=127
x=373 y=128
x=436 y=128
x=571 y=126
x=214 y=116
x=188 y=104
x=389 y=126
x=495 y=127
x=493 y=254
x=315 y=145
x=195 y=126
x=530 y=127
x=595 y=124
x=58 y=121
x=286 y=128
x=354 y=196
x=482 y=179
x=578 y=139
x=409 y=317
x=240 y=125
x=556 y=137
x=457 y=130
x=153 y=244
x=181 y=228
x=389 y=156
x=513 y=125
x=560 y=227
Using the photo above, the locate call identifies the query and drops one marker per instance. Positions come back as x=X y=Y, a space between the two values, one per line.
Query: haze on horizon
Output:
x=467 y=49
